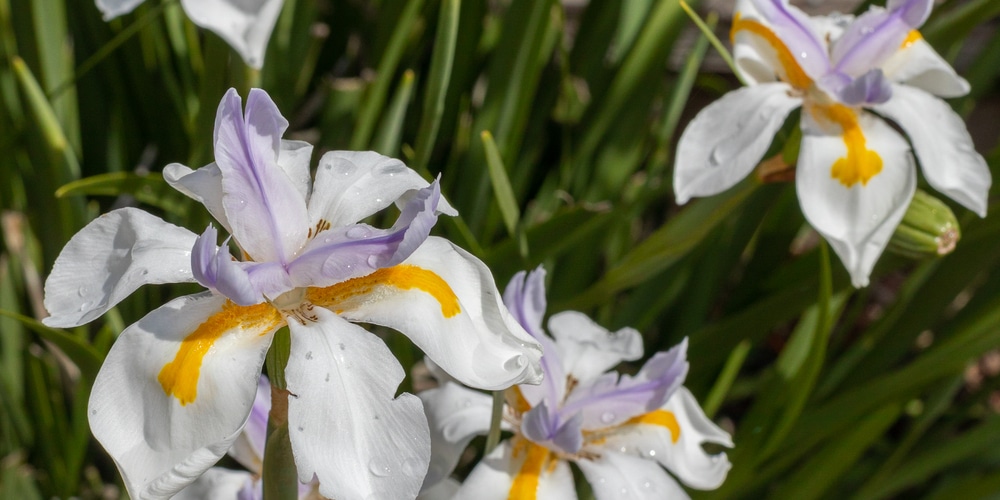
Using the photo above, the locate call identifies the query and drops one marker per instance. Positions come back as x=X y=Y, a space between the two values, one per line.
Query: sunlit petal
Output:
x=525 y=299
x=217 y=482
x=588 y=349
x=917 y=64
x=877 y=34
x=345 y=424
x=455 y=415
x=617 y=475
x=176 y=389
x=796 y=31
x=114 y=8
x=727 y=139
x=109 y=259
x=522 y=471
x=245 y=25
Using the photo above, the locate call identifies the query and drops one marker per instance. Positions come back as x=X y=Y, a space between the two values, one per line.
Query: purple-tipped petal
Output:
x=794 y=28
x=870 y=88
x=876 y=35
x=547 y=428
x=215 y=270
x=525 y=299
x=611 y=400
x=264 y=207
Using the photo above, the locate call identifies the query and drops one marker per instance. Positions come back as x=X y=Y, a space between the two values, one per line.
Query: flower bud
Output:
x=929 y=228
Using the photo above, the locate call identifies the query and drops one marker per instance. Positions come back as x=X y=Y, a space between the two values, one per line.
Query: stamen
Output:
x=404 y=277
x=179 y=378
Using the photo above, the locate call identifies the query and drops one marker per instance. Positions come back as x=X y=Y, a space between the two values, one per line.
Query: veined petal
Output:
x=587 y=349
x=352 y=185
x=525 y=299
x=455 y=415
x=245 y=25
x=855 y=178
x=917 y=64
x=176 y=389
x=611 y=399
x=725 y=140
x=794 y=31
x=114 y=8
x=947 y=155
x=550 y=430
x=294 y=158
x=876 y=35
x=344 y=423
x=342 y=253
x=214 y=269
x=522 y=470
x=617 y=475
x=265 y=209
x=217 y=482
x=446 y=302
x=109 y=259
x=673 y=436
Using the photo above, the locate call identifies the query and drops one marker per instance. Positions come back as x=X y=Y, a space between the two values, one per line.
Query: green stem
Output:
x=493 y=438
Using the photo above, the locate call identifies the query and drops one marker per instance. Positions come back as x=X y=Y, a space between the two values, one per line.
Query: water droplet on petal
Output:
x=623 y=449
x=344 y=167
x=648 y=485
x=373 y=260
x=607 y=417
x=358 y=232
x=390 y=169
x=82 y=291
x=803 y=55
x=378 y=200
x=716 y=158
x=651 y=453
x=466 y=403
x=84 y=306
x=624 y=492
x=414 y=467
x=378 y=468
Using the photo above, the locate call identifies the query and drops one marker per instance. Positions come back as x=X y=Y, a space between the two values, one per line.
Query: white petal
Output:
x=114 y=8
x=919 y=65
x=352 y=185
x=857 y=220
x=344 y=424
x=109 y=259
x=947 y=155
x=217 y=483
x=587 y=349
x=445 y=300
x=727 y=139
x=685 y=457
x=163 y=441
x=248 y=449
x=203 y=185
x=294 y=158
x=244 y=24
x=455 y=415
x=496 y=474
x=616 y=475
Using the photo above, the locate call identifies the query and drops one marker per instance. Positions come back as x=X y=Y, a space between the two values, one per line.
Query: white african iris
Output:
x=621 y=431
x=177 y=386
x=855 y=175
x=245 y=25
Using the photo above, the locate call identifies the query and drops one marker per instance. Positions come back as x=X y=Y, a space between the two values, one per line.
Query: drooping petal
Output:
x=673 y=436
x=795 y=31
x=109 y=259
x=947 y=155
x=214 y=269
x=917 y=64
x=217 y=482
x=245 y=25
x=345 y=425
x=114 y=8
x=855 y=178
x=176 y=389
x=446 y=302
x=455 y=415
x=352 y=185
x=587 y=349
x=266 y=211
x=727 y=139
x=341 y=253
x=203 y=185
x=248 y=449
x=525 y=299
x=524 y=471
x=611 y=399
x=876 y=35
x=616 y=475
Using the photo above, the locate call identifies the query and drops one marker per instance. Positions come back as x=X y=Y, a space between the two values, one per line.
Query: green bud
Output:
x=928 y=229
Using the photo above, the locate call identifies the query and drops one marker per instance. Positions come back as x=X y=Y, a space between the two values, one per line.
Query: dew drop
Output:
x=607 y=417
x=344 y=167
x=84 y=306
x=390 y=169
x=309 y=355
x=240 y=204
x=623 y=449
x=327 y=377
x=358 y=232
x=716 y=158
x=82 y=291
x=414 y=467
x=803 y=55
x=379 y=469
x=648 y=485
x=373 y=260
x=651 y=453
x=624 y=492
x=378 y=200
x=466 y=403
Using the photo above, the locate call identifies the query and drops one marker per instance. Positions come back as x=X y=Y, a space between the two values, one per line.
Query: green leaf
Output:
x=79 y=351
x=502 y=191
x=437 y=82
x=147 y=188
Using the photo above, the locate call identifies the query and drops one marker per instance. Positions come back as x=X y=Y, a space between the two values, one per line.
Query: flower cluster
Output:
x=620 y=430
x=856 y=174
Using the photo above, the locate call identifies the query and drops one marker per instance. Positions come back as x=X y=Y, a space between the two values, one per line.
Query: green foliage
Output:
x=552 y=129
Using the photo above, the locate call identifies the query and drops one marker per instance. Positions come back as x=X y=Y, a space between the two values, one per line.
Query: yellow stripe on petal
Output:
x=525 y=485
x=794 y=74
x=861 y=163
x=662 y=418
x=403 y=277
x=179 y=378
x=911 y=38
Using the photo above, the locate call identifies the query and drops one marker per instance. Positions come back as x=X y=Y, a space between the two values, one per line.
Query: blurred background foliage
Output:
x=552 y=126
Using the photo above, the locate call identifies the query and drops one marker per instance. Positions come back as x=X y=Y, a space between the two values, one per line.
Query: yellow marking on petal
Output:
x=525 y=485
x=861 y=163
x=794 y=74
x=662 y=418
x=179 y=378
x=403 y=277
x=515 y=399
x=911 y=38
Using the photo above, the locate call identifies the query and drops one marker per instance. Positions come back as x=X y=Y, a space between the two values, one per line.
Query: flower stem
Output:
x=280 y=479
x=493 y=438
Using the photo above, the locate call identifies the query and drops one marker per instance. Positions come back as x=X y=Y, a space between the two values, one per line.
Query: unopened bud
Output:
x=929 y=228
